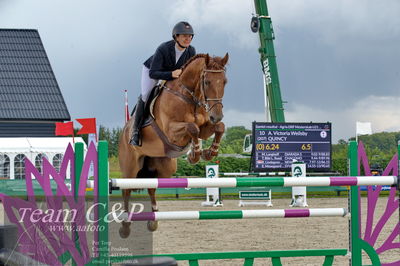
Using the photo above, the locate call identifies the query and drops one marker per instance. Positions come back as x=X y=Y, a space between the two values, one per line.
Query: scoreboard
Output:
x=277 y=145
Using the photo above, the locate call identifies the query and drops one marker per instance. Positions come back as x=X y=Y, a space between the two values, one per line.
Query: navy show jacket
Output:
x=162 y=63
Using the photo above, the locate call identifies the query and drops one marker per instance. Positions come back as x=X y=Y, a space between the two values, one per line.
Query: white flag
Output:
x=363 y=128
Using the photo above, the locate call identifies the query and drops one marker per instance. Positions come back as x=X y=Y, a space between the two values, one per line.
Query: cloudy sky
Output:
x=337 y=60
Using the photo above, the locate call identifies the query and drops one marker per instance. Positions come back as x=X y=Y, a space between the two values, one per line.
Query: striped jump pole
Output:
x=240 y=214
x=142 y=183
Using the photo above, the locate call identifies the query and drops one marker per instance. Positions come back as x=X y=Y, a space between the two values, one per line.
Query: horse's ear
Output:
x=207 y=59
x=225 y=59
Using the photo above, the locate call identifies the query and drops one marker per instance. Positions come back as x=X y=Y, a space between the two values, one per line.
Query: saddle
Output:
x=171 y=150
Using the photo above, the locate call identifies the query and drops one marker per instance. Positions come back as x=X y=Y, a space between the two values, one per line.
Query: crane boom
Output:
x=261 y=22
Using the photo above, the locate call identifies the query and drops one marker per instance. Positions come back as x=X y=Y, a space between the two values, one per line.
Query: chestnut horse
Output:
x=188 y=108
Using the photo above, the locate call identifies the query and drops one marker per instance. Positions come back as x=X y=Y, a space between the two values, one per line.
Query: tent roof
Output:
x=23 y=145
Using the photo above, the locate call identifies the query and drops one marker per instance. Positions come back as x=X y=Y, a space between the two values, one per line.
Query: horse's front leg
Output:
x=218 y=129
x=124 y=231
x=195 y=152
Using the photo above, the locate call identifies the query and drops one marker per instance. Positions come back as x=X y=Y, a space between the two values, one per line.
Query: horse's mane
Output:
x=214 y=62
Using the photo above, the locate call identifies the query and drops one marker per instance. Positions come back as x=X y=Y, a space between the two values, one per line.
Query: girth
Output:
x=171 y=150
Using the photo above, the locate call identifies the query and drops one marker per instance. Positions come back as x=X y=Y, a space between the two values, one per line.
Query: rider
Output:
x=165 y=64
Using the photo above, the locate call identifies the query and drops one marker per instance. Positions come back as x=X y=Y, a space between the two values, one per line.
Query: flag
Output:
x=363 y=128
x=88 y=126
x=64 y=129
x=127 y=116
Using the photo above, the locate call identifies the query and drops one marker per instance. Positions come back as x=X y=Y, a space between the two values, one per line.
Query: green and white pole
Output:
x=354 y=245
x=357 y=245
x=102 y=207
x=143 y=183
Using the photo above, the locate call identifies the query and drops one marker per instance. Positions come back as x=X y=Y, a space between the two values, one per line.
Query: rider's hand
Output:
x=176 y=73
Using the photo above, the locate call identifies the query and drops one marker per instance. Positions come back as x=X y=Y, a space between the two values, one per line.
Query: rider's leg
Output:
x=147 y=86
x=137 y=124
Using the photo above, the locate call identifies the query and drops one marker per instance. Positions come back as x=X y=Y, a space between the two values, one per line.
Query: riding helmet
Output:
x=182 y=27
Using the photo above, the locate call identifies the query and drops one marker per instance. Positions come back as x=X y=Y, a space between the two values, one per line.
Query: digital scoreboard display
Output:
x=277 y=145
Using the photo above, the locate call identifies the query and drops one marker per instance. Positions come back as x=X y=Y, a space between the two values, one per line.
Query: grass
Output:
x=113 y=164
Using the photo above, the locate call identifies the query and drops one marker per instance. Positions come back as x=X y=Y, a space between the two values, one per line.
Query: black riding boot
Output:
x=139 y=113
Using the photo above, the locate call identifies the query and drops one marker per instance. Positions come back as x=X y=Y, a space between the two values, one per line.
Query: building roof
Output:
x=28 y=87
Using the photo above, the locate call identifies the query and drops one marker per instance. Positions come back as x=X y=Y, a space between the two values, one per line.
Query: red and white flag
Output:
x=127 y=115
x=88 y=126
x=64 y=129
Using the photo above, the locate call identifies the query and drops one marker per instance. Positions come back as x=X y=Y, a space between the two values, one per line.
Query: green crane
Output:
x=261 y=23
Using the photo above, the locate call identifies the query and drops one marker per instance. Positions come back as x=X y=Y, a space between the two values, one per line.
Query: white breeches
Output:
x=147 y=83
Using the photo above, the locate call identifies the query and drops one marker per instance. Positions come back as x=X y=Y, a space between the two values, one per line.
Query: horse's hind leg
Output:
x=152 y=225
x=124 y=231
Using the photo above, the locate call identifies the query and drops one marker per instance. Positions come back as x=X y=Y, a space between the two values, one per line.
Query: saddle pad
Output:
x=155 y=92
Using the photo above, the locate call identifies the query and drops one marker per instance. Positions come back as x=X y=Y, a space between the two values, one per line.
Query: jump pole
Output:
x=142 y=183
x=241 y=214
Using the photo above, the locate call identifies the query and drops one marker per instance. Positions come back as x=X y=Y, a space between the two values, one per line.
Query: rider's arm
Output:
x=192 y=51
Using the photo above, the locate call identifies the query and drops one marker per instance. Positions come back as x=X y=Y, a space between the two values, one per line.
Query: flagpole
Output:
x=127 y=116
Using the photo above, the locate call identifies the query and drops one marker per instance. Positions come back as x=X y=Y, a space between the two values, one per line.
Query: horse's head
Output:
x=203 y=77
x=212 y=84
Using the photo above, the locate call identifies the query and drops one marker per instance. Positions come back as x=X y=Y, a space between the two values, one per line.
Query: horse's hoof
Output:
x=152 y=225
x=207 y=155
x=193 y=159
x=124 y=232
x=204 y=155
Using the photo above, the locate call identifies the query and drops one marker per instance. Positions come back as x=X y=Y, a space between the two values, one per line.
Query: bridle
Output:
x=203 y=84
x=198 y=102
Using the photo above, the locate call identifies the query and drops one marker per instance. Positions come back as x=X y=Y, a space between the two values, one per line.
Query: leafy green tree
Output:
x=112 y=137
x=232 y=142
x=380 y=148
x=339 y=158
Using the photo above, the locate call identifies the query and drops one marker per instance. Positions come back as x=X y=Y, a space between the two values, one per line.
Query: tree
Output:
x=112 y=137
x=232 y=141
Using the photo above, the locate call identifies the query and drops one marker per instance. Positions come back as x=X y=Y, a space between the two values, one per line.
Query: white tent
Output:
x=14 y=150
